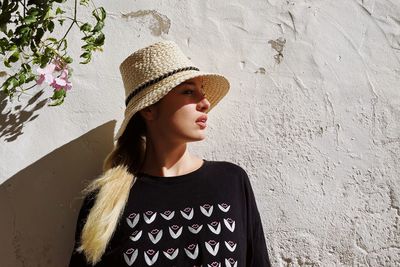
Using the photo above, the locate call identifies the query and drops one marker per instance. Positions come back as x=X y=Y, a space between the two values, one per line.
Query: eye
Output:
x=188 y=92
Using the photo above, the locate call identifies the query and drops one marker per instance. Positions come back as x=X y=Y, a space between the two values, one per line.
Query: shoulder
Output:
x=228 y=173
x=227 y=168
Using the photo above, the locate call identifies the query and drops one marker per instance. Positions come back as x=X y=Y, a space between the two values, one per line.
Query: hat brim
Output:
x=216 y=86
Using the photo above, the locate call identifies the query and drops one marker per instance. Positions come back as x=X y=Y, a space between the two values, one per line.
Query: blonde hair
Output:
x=113 y=187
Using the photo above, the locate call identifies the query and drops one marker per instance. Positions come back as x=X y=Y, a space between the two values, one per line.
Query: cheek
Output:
x=182 y=115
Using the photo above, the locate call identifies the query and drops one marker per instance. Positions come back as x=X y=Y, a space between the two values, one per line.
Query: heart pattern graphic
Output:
x=168 y=215
x=212 y=246
x=130 y=256
x=224 y=207
x=214 y=264
x=150 y=256
x=195 y=228
x=171 y=253
x=230 y=262
x=206 y=209
x=230 y=224
x=175 y=231
x=187 y=213
x=192 y=251
x=230 y=245
x=132 y=219
x=216 y=221
x=135 y=236
x=149 y=216
x=155 y=235
x=215 y=227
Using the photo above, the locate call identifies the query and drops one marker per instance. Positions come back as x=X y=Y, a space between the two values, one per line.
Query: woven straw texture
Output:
x=148 y=64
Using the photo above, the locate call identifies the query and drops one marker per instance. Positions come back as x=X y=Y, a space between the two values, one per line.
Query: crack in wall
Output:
x=278 y=46
x=393 y=201
x=159 y=23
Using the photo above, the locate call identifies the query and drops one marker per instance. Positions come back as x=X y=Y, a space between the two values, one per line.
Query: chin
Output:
x=197 y=138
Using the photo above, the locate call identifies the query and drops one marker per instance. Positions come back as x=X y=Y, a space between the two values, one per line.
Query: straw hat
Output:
x=151 y=72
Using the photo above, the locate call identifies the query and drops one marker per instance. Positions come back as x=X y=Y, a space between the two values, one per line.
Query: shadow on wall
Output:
x=13 y=120
x=40 y=204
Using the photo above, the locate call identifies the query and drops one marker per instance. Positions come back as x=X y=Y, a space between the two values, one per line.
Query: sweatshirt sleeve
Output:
x=257 y=253
x=78 y=259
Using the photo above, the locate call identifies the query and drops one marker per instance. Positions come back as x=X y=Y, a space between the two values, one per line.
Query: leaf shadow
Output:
x=13 y=120
x=40 y=204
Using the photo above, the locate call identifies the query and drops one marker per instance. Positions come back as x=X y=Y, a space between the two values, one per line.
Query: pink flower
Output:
x=58 y=83
x=46 y=74
x=62 y=82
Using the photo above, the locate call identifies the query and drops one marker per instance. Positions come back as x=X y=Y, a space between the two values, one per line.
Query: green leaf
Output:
x=57 y=102
x=44 y=60
x=33 y=47
x=26 y=67
x=39 y=35
x=84 y=2
x=3 y=27
x=21 y=78
x=59 y=93
x=99 y=41
x=99 y=13
x=59 y=97
x=103 y=13
x=86 y=27
x=30 y=19
x=88 y=39
x=36 y=60
x=87 y=55
x=50 y=27
x=98 y=27
x=4 y=45
x=6 y=63
x=30 y=78
x=14 y=57
x=4 y=87
x=61 y=21
x=59 y=11
x=33 y=12
x=52 y=39
x=5 y=18
x=22 y=29
x=13 y=81
x=88 y=47
x=48 y=13
x=67 y=59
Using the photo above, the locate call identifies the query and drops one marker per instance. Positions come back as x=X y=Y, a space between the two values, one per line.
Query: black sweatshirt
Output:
x=208 y=217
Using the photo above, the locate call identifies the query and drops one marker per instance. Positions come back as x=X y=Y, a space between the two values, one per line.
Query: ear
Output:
x=149 y=113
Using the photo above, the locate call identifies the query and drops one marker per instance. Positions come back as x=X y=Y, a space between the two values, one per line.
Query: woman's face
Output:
x=175 y=115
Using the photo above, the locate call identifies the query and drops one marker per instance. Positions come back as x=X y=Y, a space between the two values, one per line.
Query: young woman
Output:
x=156 y=204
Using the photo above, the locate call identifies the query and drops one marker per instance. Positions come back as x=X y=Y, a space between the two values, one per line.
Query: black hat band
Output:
x=155 y=80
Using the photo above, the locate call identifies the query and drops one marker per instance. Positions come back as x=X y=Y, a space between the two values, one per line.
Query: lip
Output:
x=201 y=121
x=201 y=124
x=202 y=118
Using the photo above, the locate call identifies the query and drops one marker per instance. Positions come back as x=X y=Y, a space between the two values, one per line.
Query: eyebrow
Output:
x=188 y=82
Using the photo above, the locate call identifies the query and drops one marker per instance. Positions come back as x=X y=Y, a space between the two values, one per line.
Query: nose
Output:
x=203 y=104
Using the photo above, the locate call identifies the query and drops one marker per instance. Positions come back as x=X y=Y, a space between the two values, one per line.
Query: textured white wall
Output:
x=313 y=115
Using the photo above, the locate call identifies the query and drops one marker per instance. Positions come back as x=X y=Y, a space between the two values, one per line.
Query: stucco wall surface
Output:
x=313 y=115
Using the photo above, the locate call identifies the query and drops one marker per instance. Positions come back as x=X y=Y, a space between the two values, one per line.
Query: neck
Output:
x=165 y=159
